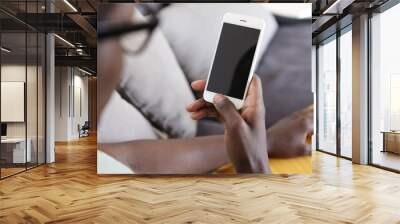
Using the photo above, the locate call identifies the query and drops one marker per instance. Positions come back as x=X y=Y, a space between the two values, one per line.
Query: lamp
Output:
x=70 y=5
x=5 y=50
x=65 y=41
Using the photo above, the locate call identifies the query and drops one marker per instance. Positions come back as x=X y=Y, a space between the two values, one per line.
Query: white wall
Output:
x=70 y=83
x=62 y=81
x=81 y=103
x=33 y=126
x=12 y=73
x=13 y=101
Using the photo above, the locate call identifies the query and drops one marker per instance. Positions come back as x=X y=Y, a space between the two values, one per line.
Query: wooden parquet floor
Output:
x=70 y=191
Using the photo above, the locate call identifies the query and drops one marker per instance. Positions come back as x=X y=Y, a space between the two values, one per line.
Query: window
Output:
x=346 y=92
x=327 y=95
x=22 y=88
x=385 y=89
x=330 y=133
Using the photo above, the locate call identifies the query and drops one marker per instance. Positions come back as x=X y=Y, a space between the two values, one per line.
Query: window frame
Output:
x=333 y=37
x=378 y=10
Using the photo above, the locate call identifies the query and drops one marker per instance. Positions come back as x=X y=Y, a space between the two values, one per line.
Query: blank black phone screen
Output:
x=233 y=59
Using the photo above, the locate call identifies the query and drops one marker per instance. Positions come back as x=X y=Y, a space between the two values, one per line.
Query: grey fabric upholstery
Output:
x=285 y=70
x=192 y=31
x=209 y=127
x=120 y=122
x=155 y=85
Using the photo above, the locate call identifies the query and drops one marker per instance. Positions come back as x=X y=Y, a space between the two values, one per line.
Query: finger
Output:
x=254 y=102
x=227 y=111
x=310 y=108
x=206 y=112
x=303 y=150
x=309 y=116
x=310 y=126
x=305 y=125
x=196 y=105
x=307 y=112
x=198 y=115
x=254 y=94
x=199 y=85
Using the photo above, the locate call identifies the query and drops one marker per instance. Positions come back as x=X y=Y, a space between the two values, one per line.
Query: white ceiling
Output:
x=293 y=10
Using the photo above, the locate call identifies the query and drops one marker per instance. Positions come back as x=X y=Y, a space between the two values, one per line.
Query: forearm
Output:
x=172 y=156
x=249 y=154
x=181 y=156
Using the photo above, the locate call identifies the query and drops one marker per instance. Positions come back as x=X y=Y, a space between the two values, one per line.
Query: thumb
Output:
x=227 y=111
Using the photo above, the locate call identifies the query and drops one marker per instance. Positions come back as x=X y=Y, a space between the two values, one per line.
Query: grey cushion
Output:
x=154 y=83
x=121 y=122
x=285 y=70
x=209 y=127
x=192 y=31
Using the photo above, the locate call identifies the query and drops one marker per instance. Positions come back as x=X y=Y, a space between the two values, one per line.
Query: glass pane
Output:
x=22 y=89
x=31 y=97
x=32 y=86
x=13 y=86
x=385 y=86
x=41 y=98
x=346 y=94
x=327 y=96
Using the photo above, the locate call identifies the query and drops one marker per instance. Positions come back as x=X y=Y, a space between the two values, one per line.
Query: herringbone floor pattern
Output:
x=70 y=191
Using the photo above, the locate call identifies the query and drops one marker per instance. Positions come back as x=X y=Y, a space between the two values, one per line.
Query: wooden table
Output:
x=14 y=150
x=391 y=141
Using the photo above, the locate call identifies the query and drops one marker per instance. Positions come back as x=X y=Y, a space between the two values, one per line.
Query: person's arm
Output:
x=245 y=135
x=287 y=138
x=291 y=136
x=171 y=156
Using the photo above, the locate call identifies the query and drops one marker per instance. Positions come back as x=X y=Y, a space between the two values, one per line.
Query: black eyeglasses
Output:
x=133 y=36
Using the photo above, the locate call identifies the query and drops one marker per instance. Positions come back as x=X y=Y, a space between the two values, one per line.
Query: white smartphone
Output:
x=234 y=59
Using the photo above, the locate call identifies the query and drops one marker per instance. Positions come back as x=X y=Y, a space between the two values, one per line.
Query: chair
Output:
x=84 y=130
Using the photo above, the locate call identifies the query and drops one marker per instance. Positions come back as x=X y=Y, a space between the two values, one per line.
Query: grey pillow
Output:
x=154 y=83
x=285 y=70
x=192 y=31
x=120 y=122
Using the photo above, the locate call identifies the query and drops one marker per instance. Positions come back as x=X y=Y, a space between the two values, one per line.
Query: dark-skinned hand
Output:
x=245 y=134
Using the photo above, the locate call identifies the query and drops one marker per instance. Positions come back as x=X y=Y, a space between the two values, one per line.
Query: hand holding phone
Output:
x=245 y=134
x=234 y=59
